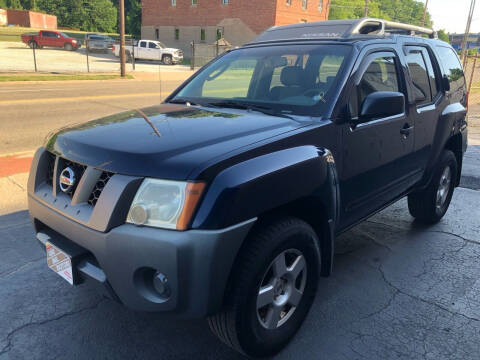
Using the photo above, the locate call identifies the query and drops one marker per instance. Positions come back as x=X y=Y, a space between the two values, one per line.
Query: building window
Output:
x=157 y=34
x=194 y=2
x=173 y=2
x=320 y=5
x=288 y=2
x=202 y=35
x=304 y=4
x=224 y=2
x=177 y=34
x=219 y=34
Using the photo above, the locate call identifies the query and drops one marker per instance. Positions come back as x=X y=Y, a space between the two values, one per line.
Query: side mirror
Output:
x=382 y=104
x=445 y=83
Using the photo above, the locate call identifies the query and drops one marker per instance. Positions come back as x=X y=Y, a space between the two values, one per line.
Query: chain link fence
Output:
x=472 y=76
x=202 y=53
x=19 y=57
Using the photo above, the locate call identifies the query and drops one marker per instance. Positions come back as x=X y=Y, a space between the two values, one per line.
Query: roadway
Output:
x=30 y=110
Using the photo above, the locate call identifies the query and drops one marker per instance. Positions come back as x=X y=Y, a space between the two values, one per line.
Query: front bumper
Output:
x=196 y=263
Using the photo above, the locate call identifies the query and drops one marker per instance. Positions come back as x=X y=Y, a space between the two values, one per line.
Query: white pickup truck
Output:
x=151 y=50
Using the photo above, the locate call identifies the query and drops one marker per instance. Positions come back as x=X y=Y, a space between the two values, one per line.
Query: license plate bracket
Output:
x=60 y=262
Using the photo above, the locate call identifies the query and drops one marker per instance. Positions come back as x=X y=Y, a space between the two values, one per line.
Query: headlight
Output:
x=74 y=41
x=165 y=204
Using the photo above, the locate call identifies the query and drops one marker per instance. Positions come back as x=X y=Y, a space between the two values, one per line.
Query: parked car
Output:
x=98 y=42
x=225 y=200
x=51 y=39
x=151 y=50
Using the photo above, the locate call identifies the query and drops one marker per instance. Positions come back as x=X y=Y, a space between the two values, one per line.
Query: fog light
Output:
x=160 y=283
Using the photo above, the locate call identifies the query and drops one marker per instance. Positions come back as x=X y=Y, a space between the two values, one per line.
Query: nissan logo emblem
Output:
x=67 y=179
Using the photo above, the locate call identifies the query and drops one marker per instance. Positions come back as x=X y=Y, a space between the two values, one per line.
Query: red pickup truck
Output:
x=52 y=39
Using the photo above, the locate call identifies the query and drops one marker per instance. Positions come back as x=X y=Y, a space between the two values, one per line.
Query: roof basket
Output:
x=340 y=29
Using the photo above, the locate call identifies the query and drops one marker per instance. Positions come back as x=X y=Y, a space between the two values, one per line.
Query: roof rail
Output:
x=379 y=27
x=340 y=29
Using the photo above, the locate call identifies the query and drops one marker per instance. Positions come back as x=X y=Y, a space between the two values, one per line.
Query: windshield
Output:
x=297 y=79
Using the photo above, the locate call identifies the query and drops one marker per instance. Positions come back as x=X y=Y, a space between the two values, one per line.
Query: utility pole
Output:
x=425 y=13
x=467 y=31
x=122 y=38
x=365 y=13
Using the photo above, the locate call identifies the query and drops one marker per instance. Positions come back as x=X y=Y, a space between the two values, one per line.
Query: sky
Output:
x=451 y=15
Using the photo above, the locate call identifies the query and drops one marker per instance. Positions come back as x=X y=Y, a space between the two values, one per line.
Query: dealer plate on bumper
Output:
x=59 y=262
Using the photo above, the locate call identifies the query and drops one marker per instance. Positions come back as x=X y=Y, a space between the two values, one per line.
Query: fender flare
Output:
x=271 y=181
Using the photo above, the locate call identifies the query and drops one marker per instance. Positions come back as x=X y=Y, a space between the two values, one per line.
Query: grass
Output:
x=13 y=33
x=49 y=77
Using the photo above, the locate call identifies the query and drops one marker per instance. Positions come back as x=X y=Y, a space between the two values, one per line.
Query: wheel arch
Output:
x=455 y=144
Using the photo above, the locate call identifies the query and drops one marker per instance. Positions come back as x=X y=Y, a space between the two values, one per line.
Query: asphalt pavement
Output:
x=30 y=110
x=399 y=290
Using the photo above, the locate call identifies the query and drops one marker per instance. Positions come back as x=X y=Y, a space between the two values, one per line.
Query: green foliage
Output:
x=406 y=11
x=442 y=35
x=11 y=4
x=88 y=15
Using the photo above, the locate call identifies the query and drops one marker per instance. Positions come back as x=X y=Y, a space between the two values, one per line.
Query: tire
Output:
x=430 y=205
x=68 y=47
x=244 y=323
x=33 y=44
x=167 y=60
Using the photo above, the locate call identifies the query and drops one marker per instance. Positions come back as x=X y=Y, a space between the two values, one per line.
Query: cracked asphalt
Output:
x=399 y=290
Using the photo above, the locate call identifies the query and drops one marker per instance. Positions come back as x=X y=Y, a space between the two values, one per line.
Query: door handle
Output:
x=405 y=131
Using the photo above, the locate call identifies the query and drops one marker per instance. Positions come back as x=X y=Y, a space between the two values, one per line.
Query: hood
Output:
x=166 y=141
x=171 y=49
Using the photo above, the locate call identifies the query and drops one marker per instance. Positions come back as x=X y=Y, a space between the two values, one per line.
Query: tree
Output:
x=442 y=35
x=11 y=4
x=87 y=15
x=407 y=11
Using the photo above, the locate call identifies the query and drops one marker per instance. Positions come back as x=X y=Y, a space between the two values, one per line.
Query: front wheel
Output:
x=68 y=47
x=431 y=204
x=271 y=290
x=167 y=60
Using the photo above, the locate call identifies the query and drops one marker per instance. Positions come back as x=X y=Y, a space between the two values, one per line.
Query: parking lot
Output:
x=18 y=57
x=399 y=291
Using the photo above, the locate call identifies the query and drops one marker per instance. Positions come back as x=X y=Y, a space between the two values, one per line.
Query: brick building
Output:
x=31 y=19
x=178 y=22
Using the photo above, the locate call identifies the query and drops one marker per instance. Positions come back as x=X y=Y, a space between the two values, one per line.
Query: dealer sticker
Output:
x=59 y=262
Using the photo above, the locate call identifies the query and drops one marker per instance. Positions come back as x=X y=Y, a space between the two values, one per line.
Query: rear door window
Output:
x=452 y=67
x=419 y=75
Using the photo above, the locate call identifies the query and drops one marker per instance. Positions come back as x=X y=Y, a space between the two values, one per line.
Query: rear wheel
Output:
x=167 y=60
x=68 y=47
x=431 y=204
x=271 y=290
x=33 y=44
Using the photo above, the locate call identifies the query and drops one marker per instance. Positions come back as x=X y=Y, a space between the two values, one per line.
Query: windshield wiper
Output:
x=248 y=106
x=183 y=101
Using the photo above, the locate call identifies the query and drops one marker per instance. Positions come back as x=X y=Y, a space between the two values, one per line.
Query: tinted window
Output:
x=381 y=75
x=452 y=67
x=143 y=44
x=418 y=73
x=431 y=74
x=289 y=79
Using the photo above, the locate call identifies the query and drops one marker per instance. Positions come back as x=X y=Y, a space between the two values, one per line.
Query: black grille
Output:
x=78 y=169
x=99 y=186
x=50 y=168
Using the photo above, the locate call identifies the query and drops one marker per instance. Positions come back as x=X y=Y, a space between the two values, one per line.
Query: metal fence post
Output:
x=216 y=48
x=86 y=49
x=133 y=53
x=34 y=57
x=192 y=61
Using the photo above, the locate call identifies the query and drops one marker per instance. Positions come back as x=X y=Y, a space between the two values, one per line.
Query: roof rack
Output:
x=341 y=29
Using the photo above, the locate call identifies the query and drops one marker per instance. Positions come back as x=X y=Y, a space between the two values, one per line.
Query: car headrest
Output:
x=291 y=76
